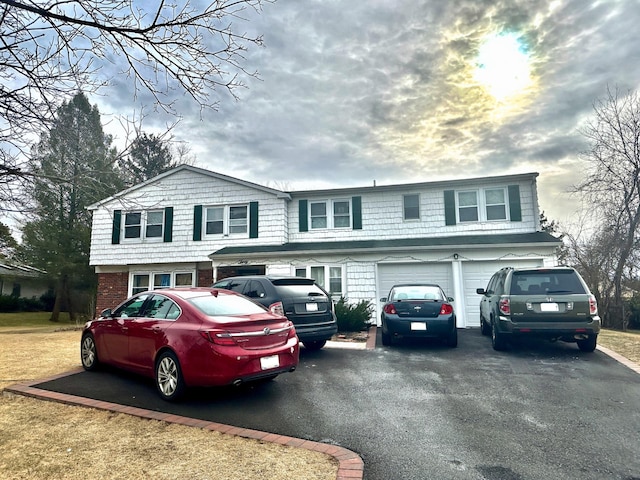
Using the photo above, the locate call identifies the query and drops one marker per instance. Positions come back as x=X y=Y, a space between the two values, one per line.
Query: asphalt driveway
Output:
x=424 y=411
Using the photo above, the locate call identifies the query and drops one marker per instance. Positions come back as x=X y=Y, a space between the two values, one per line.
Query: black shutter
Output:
x=197 y=223
x=117 y=223
x=253 y=220
x=356 y=203
x=303 y=219
x=449 y=207
x=168 y=224
x=514 y=203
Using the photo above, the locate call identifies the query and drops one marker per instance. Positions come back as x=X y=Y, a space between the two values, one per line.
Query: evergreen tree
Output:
x=149 y=156
x=74 y=162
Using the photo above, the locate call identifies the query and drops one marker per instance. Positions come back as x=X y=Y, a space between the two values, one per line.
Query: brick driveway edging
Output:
x=350 y=464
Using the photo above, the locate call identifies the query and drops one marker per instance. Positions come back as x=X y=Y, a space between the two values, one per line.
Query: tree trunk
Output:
x=55 y=315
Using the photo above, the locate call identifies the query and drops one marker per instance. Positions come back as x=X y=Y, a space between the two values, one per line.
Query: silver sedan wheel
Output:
x=88 y=352
x=168 y=376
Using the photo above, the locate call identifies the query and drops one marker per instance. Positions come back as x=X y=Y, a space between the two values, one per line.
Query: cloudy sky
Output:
x=395 y=91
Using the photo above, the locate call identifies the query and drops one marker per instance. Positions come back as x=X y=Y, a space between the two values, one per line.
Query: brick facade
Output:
x=112 y=289
x=205 y=278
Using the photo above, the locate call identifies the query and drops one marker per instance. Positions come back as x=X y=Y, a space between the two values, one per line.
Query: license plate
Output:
x=312 y=307
x=272 y=361
x=418 y=326
x=549 y=307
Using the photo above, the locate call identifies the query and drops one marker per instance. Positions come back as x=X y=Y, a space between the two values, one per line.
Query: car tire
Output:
x=452 y=339
x=89 y=352
x=169 y=379
x=386 y=338
x=498 y=341
x=589 y=344
x=484 y=327
x=315 y=344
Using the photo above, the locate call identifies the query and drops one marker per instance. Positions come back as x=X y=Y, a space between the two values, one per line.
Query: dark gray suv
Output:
x=301 y=300
x=551 y=303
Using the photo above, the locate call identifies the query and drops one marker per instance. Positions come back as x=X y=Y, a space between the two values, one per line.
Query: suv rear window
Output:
x=296 y=290
x=543 y=282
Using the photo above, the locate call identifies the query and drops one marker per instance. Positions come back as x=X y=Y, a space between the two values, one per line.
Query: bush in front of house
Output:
x=353 y=317
x=11 y=303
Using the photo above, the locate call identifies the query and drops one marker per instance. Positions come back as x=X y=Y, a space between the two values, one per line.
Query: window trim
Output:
x=327 y=276
x=404 y=207
x=151 y=274
x=330 y=215
x=143 y=225
x=482 y=205
x=226 y=221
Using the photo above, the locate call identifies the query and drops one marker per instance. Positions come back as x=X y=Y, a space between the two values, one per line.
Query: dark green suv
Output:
x=550 y=303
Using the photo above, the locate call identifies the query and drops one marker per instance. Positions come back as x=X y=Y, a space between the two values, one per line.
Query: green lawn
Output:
x=33 y=320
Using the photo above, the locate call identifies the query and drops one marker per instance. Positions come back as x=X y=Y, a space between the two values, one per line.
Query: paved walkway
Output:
x=350 y=465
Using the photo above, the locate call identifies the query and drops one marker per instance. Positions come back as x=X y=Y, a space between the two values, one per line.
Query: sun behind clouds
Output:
x=503 y=66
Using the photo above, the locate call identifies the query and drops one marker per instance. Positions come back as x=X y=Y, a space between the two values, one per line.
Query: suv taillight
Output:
x=277 y=309
x=505 y=305
x=593 y=305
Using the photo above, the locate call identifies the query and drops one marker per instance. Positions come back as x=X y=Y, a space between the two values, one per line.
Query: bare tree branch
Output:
x=50 y=50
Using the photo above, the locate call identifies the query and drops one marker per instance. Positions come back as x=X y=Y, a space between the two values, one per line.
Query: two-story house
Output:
x=191 y=227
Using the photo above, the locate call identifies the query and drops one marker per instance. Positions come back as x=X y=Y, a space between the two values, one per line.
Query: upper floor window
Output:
x=141 y=225
x=411 y=205
x=468 y=206
x=486 y=205
x=145 y=224
x=226 y=220
x=496 y=204
x=330 y=214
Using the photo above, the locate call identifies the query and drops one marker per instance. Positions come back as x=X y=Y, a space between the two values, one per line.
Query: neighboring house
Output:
x=22 y=280
x=191 y=227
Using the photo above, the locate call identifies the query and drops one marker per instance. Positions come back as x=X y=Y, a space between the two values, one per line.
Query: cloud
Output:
x=356 y=91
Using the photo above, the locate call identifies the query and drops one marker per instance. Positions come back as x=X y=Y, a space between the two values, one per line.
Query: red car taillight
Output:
x=446 y=309
x=593 y=306
x=277 y=309
x=218 y=337
x=505 y=305
x=390 y=309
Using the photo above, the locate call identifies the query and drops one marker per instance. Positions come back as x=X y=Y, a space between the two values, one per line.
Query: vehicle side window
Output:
x=499 y=285
x=236 y=285
x=159 y=307
x=254 y=289
x=131 y=308
x=492 y=283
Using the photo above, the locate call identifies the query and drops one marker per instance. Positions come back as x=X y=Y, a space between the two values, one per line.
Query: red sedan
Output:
x=191 y=337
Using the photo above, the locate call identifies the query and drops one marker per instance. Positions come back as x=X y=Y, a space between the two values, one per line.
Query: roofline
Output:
x=371 y=246
x=418 y=185
x=202 y=171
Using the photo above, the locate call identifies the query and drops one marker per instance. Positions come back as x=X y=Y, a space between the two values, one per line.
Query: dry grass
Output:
x=43 y=440
x=626 y=344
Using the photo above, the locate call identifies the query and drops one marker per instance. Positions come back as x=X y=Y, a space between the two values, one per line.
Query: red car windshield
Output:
x=225 y=305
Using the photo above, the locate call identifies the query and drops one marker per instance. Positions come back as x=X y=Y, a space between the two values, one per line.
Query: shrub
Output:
x=353 y=317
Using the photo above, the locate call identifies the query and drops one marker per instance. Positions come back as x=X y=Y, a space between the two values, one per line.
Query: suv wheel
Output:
x=589 y=344
x=315 y=345
x=484 y=328
x=498 y=341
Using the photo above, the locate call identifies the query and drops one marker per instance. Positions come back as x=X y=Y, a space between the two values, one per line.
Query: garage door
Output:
x=477 y=275
x=391 y=274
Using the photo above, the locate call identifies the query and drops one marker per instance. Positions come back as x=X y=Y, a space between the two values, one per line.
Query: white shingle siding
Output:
x=182 y=191
x=382 y=215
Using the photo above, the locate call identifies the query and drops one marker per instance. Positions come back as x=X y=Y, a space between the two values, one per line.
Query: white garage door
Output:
x=391 y=274
x=477 y=275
